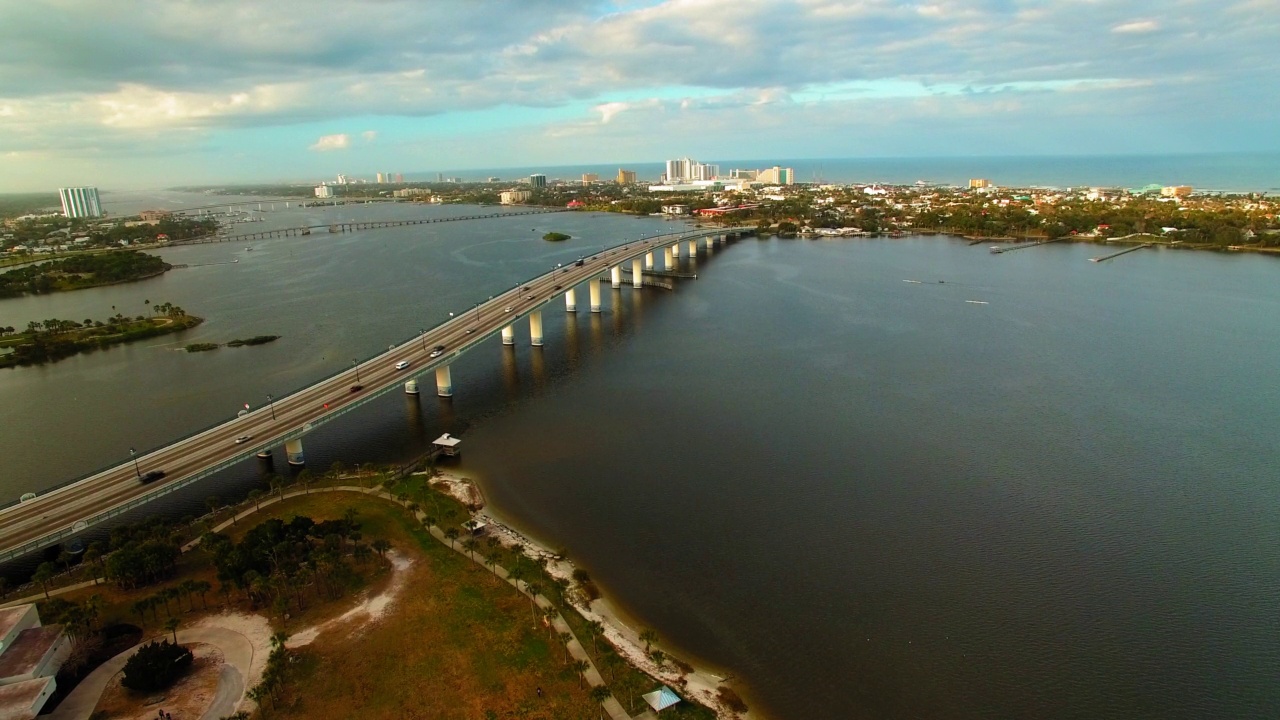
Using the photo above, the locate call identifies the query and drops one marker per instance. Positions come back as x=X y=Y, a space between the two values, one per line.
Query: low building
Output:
x=626 y=177
x=675 y=209
x=1175 y=191
x=324 y=191
x=30 y=655
x=979 y=183
x=514 y=197
x=153 y=215
x=588 y=178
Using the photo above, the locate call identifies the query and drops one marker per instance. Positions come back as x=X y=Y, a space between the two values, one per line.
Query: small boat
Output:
x=914 y=282
x=977 y=302
x=996 y=250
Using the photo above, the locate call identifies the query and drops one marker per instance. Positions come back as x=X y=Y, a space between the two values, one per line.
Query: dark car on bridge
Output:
x=437 y=350
x=151 y=476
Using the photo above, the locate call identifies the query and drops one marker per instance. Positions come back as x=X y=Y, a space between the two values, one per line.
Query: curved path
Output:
x=237 y=652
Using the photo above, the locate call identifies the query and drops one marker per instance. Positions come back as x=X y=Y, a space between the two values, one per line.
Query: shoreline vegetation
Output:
x=255 y=340
x=81 y=272
x=569 y=650
x=54 y=339
x=555 y=237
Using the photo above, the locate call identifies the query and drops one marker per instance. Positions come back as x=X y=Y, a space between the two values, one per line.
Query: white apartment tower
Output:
x=79 y=202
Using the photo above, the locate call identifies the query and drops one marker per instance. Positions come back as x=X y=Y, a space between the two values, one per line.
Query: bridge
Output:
x=59 y=514
x=353 y=226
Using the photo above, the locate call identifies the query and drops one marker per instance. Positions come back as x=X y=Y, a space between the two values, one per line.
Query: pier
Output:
x=1104 y=258
x=996 y=249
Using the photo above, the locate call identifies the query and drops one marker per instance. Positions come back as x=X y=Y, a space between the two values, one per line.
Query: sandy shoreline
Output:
x=702 y=684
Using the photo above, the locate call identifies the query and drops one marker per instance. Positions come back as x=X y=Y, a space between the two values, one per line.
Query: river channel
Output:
x=864 y=497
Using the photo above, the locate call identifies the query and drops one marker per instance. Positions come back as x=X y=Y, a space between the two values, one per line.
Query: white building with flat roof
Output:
x=79 y=202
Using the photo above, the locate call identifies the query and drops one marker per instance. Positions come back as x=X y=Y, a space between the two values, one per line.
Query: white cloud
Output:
x=332 y=142
x=1136 y=27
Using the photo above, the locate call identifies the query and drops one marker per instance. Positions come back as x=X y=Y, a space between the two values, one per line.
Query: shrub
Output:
x=155 y=666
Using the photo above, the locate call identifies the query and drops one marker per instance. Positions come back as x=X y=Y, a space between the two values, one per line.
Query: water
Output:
x=864 y=497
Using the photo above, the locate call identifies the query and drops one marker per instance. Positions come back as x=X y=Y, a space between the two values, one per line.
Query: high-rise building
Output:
x=439 y=177
x=979 y=183
x=324 y=191
x=342 y=179
x=399 y=177
x=626 y=177
x=538 y=181
x=79 y=202
x=381 y=178
x=588 y=178
x=688 y=170
x=776 y=176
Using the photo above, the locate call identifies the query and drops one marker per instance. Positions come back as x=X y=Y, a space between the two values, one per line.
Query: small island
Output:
x=81 y=272
x=255 y=340
x=53 y=340
x=555 y=237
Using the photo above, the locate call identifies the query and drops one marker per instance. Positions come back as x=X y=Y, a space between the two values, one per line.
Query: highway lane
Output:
x=59 y=509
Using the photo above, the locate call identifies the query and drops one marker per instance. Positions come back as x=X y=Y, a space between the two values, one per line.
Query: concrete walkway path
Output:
x=237 y=652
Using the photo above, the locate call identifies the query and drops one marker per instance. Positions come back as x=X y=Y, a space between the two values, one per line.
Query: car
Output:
x=525 y=288
x=580 y=262
x=509 y=308
x=470 y=330
x=437 y=351
x=151 y=476
x=243 y=439
x=402 y=364
x=556 y=287
x=528 y=297
x=356 y=388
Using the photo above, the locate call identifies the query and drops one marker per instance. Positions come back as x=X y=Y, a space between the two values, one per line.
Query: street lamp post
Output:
x=356 y=364
x=423 y=335
x=134 y=454
x=272 y=405
x=477 y=313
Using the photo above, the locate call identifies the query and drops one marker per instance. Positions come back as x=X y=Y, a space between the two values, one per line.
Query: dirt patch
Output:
x=369 y=610
x=187 y=698
x=256 y=629
x=459 y=488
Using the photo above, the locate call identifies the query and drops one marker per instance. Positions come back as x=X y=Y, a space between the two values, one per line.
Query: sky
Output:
x=158 y=93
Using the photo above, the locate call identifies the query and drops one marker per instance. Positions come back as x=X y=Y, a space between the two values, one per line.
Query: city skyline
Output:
x=155 y=94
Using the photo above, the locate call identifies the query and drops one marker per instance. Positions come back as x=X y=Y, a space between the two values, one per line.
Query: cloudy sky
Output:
x=154 y=93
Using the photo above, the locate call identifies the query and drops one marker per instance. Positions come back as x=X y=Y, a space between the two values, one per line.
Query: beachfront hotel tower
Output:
x=80 y=202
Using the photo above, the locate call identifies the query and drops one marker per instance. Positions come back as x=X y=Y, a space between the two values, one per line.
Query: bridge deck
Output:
x=58 y=514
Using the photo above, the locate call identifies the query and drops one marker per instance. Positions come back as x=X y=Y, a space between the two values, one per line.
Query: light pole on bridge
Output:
x=422 y=334
x=356 y=364
x=134 y=454
x=272 y=405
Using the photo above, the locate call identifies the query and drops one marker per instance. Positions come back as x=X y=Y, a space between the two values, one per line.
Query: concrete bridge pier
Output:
x=648 y=260
x=711 y=241
x=570 y=301
x=535 y=328
x=293 y=451
x=508 y=335
x=444 y=381
x=595 y=296
x=615 y=276
x=637 y=276
x=411 y=387
x=669 y=263
x=693 y=248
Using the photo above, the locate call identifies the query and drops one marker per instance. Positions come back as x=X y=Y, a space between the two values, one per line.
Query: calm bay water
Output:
x=864 y=497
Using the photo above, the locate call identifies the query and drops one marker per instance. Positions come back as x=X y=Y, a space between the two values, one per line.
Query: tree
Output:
x=213 y=503
x=92 y=557
x=381 y=546
x=470 y=544
x=256 y=496
x=534 y=590
x=451 y=534
x=44 y=573
x=648 y=636
x=564 y=640
x=172 y=626
x=600 y=694
x=430 y=521
x=491 y=559
x=581 y=667
x=155 y=666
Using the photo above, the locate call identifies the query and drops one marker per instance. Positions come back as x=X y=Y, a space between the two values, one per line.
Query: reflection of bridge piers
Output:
x=60 y=514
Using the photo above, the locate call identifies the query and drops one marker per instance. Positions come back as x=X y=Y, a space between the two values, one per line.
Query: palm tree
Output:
x=92 y=556
x=451 y=534
x=256 y=496
x=44 y=573
x=470 y=544
x=430 y=521
x=201 y=587
x=564 y=640
x=534 y=590
x=596 y=628
x=581 y=667
x=305 y=479
x=600 y=693
x=212 y=502
x=172 y=626
x=381 y=546
x=491 y=559
x=648 y=636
